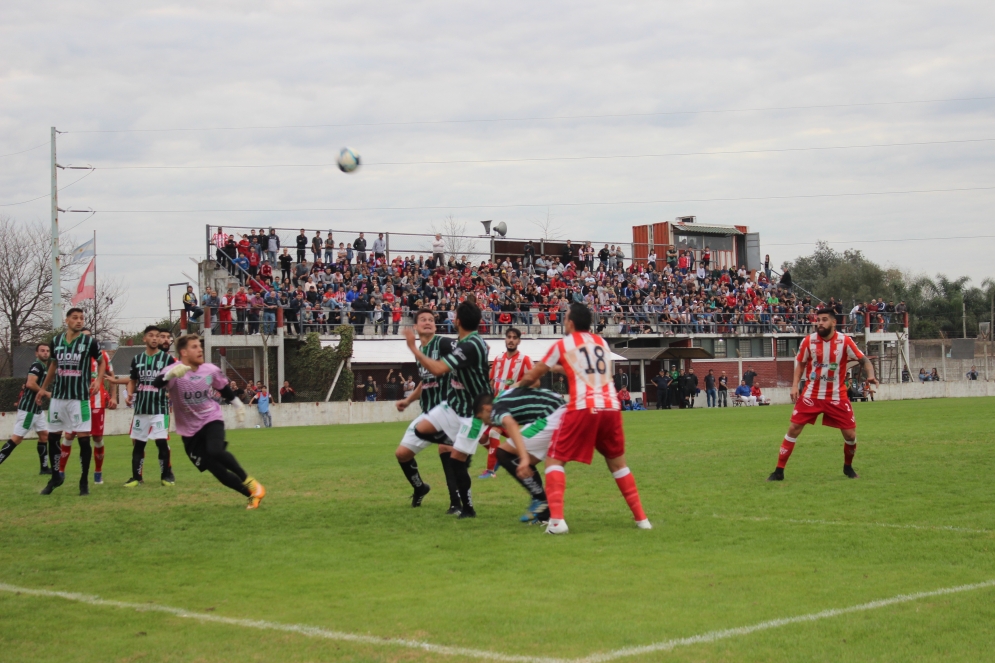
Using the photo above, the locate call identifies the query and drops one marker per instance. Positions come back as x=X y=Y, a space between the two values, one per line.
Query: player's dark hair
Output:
x=163 y=330
x=468 y=316
x=183 y=341
x=74 y=309
x=150 y=328
x=580 y=315
x=483 y=399
x=825 y=310
x=513 y=331
x=40 y=345
x=424 y=310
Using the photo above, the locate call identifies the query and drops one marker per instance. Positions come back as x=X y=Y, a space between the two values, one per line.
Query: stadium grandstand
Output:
x=672 y=296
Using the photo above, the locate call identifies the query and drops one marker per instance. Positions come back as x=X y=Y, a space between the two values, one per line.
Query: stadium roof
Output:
x=391 y=351
x=707 y=230
x=653 y=354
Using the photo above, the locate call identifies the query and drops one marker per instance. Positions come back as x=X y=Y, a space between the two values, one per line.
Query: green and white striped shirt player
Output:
x=73 y=373
x=528 y=407
x=470 y=374
x=28 y=403
x=145 y=368
x=434 y=390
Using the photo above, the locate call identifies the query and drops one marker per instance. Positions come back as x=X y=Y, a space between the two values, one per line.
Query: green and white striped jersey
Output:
x=434 y=390
x=470 y=374
x=525 y=406
x=27 y=402
x=72 y=366
x=145 y=368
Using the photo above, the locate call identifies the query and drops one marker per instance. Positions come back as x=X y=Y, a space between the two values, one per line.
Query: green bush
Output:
x=311 y=368
x=10 y=390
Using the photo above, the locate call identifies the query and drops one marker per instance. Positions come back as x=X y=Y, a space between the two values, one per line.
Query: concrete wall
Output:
x=895 y=392
x=118 y=422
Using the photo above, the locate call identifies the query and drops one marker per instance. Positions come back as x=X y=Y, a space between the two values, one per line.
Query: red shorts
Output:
x=583 y=431
x=97 y=423
x=837 y=414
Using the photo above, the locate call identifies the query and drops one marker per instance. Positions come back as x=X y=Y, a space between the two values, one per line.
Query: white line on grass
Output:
x=667 y=645
x=797 y=521
x=713 y=636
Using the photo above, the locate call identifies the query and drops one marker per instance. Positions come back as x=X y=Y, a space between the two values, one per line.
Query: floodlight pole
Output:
x=56 y=267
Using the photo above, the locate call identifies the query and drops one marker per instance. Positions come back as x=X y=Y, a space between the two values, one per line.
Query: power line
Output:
x=877 y=241
x=568 y=158
x=23 y=151
x=46 y=195
x=533 y=119
x=505 y=206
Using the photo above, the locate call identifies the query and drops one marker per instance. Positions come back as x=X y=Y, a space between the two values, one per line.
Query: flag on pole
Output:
x=85 y=250
x=87 y=287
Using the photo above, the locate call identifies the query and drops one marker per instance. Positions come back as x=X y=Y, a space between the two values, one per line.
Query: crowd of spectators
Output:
x=351 y=283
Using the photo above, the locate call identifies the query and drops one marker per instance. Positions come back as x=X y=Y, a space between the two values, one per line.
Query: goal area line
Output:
x=445 y=650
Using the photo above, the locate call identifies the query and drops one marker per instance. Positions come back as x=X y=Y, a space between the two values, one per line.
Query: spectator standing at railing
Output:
x=380 y=248
x=767 y=266
x=749 y=376
x=270 y=303
x=190 y=305
x=391 y=388
x=219 y=240
x=253 y=261
x=272 y=246
x=302 y=244
x=651 y=260
x=360 y=247
x=973 y=373
x=706 y=258
x=438 y=250
x=329 y=249
x=255 y=311
x=212 y=301
x=317 y=244
x=225 y=305
x=370 y=389
x=287 y=393
x=242 y=264
x=286 y=261
x=710 y=391
x=529 y=254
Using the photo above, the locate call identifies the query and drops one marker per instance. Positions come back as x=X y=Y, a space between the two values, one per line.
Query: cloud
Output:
x=103 y=66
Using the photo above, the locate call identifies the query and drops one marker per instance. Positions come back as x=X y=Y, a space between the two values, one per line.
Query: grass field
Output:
x=337 y=546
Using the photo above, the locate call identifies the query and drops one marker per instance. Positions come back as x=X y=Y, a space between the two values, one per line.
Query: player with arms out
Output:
x=468 y=368
x=70 y=382
x=151 y=405
x=31 y=415
x=823 y=358
x=199 y=420
x=507 y=369
x=593 y=419
x=429 y=393
x=529 y=418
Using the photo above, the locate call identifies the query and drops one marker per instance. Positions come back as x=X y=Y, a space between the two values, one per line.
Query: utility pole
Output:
x=963 y=315
x=56 y=271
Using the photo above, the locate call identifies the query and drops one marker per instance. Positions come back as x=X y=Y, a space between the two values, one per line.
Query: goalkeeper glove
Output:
x=178 y=370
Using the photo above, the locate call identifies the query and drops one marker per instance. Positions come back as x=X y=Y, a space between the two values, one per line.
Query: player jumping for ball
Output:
x=199 y=420
x=429 y=393
x=528 y=418
x=593 y=419
x=507 y=369
x=823 y=357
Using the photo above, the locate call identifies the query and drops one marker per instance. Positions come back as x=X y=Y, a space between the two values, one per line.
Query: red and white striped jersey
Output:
x=506 y=371
x=98 y=401
x=586 y=360
x=825 y=363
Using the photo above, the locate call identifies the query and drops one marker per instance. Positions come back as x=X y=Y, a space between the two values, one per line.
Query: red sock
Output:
x=64 y=456
x=556 y=485
x=98 y=457
x=491 y=458
x=848 y=451
x=786 y=448
x=627 y=484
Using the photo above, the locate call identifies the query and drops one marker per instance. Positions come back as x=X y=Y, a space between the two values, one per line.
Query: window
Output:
x=706 y=344
x=782 y=348
x=720 y=347
x=745 y=348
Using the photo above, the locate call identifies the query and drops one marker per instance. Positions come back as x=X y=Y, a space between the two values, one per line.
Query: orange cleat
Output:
x=258 y=493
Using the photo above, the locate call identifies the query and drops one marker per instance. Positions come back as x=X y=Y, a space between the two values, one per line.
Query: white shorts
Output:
x=69 y=416
x=464 y=431
x=29 y=422
x=146 y=427
x=539 y=434
x=411 y=439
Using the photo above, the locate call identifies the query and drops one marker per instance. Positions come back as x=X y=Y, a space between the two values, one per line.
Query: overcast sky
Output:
x=85 y=66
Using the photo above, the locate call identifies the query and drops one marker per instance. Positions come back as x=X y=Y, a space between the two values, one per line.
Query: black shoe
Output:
x=46 y=470
x=453 y=510
x=419 y=494
x=776 y=475
x=848 y=471
x=468 y=512
x=53 y=483
x=84 y=487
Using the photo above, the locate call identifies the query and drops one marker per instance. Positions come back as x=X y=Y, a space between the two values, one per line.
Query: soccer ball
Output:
x=257 y=425
x=348 y=160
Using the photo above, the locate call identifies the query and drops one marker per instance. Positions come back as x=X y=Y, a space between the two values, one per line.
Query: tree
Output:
x=312 y=368
x=103 y=315
x=548 y=228
x=454 y=234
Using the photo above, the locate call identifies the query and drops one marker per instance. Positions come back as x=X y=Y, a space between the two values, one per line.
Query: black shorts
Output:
x=208 y=441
